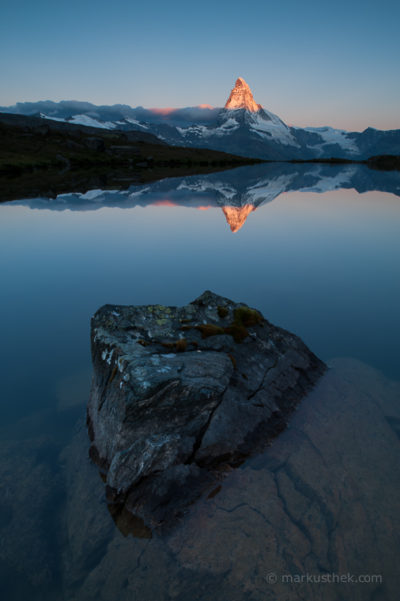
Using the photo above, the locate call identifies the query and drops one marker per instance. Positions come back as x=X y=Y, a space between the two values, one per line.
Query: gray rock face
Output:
x=179 y=392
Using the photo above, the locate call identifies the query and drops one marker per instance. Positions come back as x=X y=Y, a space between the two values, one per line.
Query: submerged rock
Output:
x=179 y=393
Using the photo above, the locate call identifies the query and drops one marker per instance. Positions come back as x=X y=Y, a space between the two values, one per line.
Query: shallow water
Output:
x=317 y=251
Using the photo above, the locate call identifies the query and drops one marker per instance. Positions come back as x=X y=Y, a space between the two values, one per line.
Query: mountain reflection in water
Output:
x=238 y=191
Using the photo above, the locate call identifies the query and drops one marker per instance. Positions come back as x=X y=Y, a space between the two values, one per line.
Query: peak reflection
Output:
x=238 y=192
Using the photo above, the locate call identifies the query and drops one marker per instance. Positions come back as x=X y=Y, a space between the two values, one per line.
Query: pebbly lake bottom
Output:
x=320 y=260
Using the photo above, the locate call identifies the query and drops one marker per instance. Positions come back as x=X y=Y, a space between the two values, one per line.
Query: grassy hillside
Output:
x=32 y=143
x=39 y=156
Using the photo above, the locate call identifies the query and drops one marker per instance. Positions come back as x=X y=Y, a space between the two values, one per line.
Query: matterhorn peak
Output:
x=242 y=98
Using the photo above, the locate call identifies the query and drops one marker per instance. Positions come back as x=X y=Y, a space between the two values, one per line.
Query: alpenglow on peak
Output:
x=242 y=98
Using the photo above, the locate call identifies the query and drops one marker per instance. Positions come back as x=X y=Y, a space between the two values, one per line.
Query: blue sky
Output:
x=312 y=63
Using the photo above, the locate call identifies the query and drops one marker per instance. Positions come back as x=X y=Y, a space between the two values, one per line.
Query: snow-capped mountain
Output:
x=242 y=127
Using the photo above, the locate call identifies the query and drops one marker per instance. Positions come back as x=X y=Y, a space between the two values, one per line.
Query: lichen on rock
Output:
x=179 y=392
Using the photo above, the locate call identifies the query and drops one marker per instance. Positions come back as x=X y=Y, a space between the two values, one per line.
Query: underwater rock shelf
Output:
x=180 y=393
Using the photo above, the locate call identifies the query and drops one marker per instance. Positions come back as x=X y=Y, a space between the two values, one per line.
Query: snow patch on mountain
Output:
x=269 y=126
x=201 y=131
x=43 y=116
x=84 y=120
x=91 y=122
x=135 y=122
x=330 y=136
x=230 y=124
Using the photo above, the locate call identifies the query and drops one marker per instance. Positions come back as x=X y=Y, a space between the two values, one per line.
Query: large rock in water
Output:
x=179 y=392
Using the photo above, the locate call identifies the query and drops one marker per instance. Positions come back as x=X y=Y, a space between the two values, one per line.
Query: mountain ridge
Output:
x=241 y=127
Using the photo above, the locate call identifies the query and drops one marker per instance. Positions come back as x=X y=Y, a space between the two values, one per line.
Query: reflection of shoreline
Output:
x=245 y=185
x=238 y=191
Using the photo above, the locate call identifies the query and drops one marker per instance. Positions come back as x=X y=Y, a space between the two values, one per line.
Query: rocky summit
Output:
x=241 y=97
x=180 y=394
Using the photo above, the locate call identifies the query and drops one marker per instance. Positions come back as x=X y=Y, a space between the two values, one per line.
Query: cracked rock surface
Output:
x=179 y=392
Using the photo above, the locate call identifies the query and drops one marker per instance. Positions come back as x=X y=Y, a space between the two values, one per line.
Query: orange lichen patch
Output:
x=237 y=331
x=246 y=316
x=243 y=317
x=222 y=311
x=169 y=345
x=209 y=329
x=179 y=346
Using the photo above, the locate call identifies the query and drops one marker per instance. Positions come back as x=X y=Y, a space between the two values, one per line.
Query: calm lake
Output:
x=317 y=250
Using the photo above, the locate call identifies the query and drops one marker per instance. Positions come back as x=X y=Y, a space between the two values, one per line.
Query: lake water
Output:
x=317 y=250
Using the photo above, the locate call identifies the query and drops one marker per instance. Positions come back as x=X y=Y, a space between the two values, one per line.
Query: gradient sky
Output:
x=312 y=63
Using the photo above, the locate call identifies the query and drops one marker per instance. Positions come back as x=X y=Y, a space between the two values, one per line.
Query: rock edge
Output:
x=180 y=392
